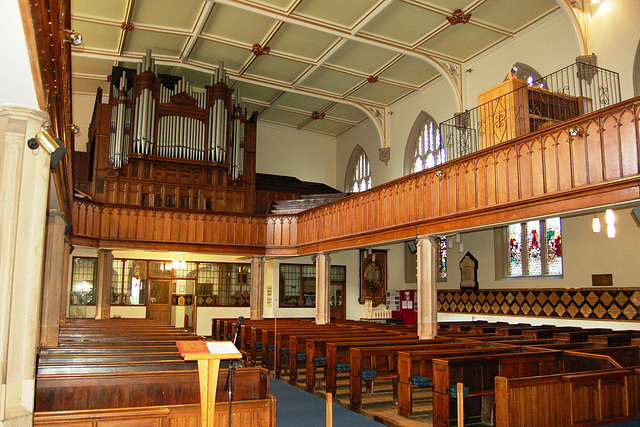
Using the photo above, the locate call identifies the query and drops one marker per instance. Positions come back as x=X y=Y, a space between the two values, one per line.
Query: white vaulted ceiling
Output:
x=322 y=52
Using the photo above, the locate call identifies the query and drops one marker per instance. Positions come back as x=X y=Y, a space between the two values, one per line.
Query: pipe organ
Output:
x=160 y=141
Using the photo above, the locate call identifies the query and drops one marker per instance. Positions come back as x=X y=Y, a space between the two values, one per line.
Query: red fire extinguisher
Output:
x=186 y=320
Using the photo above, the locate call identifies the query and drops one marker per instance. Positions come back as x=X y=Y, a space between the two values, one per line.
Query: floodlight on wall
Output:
x=72 y=37
x=595 y=224
x=576 y=131
x=50 y=144
x=610 y=218
x=75 y=129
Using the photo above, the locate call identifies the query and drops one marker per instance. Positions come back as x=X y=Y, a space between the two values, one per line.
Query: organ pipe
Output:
x=202 y=124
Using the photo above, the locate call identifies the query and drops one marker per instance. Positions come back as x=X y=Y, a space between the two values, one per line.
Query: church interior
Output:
x=422 y=211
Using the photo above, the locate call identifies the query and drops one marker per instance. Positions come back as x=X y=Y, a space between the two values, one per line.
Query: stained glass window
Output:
x=554 y=246
x=535 y=248
x=534 y=260
x=443 y=258
x=515 y=249
x=429 y=150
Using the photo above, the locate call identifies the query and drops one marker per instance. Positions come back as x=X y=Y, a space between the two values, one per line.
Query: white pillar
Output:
x=24 y=194
x=323 y=287
x=427 y=299
x=256 y=309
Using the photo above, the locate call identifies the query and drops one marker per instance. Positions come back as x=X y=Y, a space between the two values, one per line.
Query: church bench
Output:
x=626 y=356
x=316 y=349
x=418 y=365
x=613 y=339
x=82 y=357
x=168 y=347
x=548 y=332
x=586 y=398
x=581 y=335
x=519 y=329
x=81 y=367
x=375 y=363
x=316 y=358
x=477 y=374
x=109 y=400
x=62 y=392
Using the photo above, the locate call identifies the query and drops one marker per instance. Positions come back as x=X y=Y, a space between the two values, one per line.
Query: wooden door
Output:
x=337 y=300
x=159 y=300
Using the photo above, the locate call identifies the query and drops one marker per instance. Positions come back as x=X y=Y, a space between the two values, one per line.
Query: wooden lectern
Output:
x=208 y=354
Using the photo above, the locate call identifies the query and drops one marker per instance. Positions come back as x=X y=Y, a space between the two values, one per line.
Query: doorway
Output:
x=159 y=300
x=336 y=300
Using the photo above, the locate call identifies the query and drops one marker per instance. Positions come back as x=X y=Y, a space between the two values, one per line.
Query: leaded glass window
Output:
x=429 y=149
x=535 y=248
x=442 y=258
x=361 y=174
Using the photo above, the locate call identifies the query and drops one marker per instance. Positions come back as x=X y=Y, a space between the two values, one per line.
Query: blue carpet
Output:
x=633 y=423
x=297 y=408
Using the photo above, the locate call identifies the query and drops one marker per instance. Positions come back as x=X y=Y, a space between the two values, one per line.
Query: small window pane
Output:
x=515 y=250
x=534 y=258
x=554 y=246
x=443 y=258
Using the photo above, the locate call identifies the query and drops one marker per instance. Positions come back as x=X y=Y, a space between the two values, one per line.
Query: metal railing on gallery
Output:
x=517 y=108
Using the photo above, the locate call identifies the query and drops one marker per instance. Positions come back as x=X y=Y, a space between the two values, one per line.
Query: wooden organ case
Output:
x=159 y=142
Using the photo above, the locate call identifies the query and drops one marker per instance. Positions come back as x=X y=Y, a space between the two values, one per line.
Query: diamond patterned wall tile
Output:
x=610 y=304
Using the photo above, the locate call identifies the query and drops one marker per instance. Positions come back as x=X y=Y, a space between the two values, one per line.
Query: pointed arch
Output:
x=358 y=175
x=423 y=148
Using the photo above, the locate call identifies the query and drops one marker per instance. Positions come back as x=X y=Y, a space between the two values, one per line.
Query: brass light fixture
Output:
x=72 y=37
x=50 y=144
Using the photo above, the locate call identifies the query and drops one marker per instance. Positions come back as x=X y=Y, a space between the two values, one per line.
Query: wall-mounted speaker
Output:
x=412 y=247
x=313 y=258
x=636 y=214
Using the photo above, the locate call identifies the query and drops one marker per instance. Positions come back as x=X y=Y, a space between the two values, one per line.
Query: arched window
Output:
x=360 y=178
x=424 y=149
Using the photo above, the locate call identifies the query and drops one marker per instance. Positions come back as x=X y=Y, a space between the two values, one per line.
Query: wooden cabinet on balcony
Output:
x=513 y=109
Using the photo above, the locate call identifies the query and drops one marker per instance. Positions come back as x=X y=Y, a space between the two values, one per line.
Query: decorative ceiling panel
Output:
x=303 y=103
x=346 y=112
x=361 y=57
x=166 y=13
x=112 y=10
x=321 y=52
x=462 y=41
x=212 y=53
x=162 y=44
x=230 y=23
x=341 y=13
x=284 y=117
x=278 y=69
x=302 y=42
x=380 y=92
x=403 y=23
x=97 y=35
x=327 y=127
x=410 y=70
x=511 y=15
x=326 y=80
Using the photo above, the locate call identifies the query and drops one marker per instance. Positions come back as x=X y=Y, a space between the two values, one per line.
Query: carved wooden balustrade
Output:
x=545 y=173
x=549 y=172
x=152 y=228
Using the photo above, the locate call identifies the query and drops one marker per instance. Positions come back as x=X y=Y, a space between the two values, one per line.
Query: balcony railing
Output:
x=517 y=108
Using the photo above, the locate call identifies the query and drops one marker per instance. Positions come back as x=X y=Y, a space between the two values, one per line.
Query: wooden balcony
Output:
x=549 y=172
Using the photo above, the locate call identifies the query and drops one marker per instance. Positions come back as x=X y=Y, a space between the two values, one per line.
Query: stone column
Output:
x=24 y=194
x=427 y=299
x=103 y=284
x=53 y=287
x=323 y=288
x=256 y=309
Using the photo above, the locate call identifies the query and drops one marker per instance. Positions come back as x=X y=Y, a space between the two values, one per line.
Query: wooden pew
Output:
x=412 y=363
x=585 y=398
x=477 y=374
x=129 y=396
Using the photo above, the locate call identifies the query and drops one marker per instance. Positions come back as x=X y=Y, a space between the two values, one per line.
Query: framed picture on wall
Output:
x=373 y=276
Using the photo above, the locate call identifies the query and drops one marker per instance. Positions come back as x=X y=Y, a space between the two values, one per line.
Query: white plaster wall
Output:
x=305 y=155
x=584 y=253
x=548 y=47
x=614 y=35
x=17 y=81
